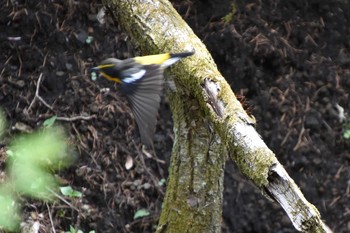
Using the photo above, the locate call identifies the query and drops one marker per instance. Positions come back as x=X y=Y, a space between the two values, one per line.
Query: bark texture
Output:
x=193 y=201
x=207 y=119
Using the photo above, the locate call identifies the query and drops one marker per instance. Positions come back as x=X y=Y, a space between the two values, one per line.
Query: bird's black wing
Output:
x=144 y=97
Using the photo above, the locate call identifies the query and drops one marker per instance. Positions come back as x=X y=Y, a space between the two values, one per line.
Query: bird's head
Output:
x=109 y=69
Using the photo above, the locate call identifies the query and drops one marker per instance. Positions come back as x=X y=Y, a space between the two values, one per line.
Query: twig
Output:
x=76 y=118
x=37 y=96
x=20 y=64
x=300 y=138
x=62 y=199
x=152 y=177
x=45 y=59
x=50 y=216
x=6 y=62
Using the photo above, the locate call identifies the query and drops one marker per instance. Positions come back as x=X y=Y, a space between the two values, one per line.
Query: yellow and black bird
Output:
x=141 y=81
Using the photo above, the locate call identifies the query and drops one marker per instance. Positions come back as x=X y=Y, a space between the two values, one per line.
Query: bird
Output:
x=141 y=81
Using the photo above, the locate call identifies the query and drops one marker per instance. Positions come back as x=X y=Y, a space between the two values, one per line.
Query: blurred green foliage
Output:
x=30 y=163
x=9 y=217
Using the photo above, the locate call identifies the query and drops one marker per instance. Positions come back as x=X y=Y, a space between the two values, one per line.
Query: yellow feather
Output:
x=105 y=66
x=117 y=80
x=152 y=59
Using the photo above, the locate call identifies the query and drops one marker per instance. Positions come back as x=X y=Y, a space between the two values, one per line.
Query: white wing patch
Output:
x=170 y=61
x=134 y=77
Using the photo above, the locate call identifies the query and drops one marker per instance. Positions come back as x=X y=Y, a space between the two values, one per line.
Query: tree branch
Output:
x=156 y=27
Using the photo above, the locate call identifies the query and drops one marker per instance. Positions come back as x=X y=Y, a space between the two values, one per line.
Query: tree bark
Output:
x=193 y=201
x=208 y=122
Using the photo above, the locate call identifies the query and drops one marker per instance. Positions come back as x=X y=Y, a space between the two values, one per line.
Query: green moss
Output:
x=195 y=183
x=229 y=17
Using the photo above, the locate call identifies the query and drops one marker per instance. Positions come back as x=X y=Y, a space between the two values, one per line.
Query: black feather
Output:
x=184 y=54
x=144 y=98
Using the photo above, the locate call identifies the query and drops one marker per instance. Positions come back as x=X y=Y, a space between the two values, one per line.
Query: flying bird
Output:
x=141 y=80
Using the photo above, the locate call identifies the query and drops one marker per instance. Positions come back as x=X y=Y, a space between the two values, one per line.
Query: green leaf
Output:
x=141 y=213
x=49 y=122
x=161 y=182
x=71 y=229
x=346 y=134
x=93 y=76
x=70 y=192
x=89 y=39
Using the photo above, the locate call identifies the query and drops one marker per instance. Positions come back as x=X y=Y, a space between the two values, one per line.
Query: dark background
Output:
x=288 y=61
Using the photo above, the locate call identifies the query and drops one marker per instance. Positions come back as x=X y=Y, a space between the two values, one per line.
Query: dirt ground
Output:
x=289 y=59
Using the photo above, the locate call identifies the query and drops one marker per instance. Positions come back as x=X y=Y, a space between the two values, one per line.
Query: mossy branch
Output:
x=202 y=92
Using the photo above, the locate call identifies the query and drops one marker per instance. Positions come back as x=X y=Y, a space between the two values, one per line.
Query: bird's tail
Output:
x=174 y=57
x=181 y=55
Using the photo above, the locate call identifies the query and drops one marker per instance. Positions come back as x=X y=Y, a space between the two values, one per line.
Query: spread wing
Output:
x=144 y=96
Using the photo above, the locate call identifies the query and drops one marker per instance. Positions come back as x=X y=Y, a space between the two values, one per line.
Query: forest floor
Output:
x=289 y=59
